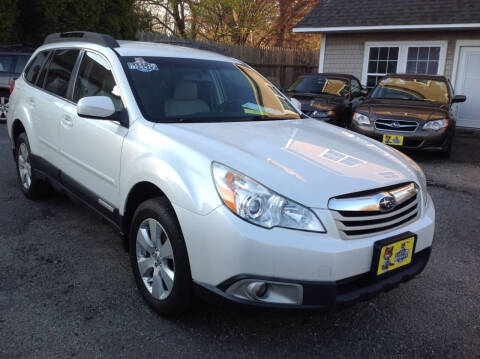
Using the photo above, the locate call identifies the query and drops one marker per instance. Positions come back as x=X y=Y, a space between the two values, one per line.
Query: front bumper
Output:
x=417 y=140
x=320 y=295
x=222 y=247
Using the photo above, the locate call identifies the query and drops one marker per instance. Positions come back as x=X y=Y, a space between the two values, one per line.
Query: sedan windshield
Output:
x=192 y=90
x=320 y=85
x=412 y=89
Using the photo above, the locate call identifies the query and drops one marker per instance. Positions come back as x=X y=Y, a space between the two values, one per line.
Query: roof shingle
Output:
x=348 y=13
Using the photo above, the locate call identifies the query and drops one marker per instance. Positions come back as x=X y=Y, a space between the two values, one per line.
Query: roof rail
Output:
x=85 y=36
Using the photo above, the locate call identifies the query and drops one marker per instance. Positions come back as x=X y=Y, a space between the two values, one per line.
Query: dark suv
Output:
x=12 y=62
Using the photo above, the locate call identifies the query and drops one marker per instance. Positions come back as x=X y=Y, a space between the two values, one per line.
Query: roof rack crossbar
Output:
x=85 y=36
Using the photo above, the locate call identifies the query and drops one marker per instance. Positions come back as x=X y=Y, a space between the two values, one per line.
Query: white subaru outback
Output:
x=220 y=187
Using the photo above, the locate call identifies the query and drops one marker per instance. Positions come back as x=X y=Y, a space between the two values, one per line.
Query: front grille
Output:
x=396 y=125
x=360 y=215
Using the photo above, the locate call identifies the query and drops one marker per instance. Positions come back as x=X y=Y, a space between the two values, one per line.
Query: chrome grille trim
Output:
x=371 y=202
x=360 y=216
x=396 y=125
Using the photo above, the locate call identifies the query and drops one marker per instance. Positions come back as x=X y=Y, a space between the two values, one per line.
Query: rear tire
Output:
x=32 y=186
x=159 y=258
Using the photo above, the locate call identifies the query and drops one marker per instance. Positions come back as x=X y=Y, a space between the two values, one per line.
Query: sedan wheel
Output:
x=155 y=259
x=3 y=107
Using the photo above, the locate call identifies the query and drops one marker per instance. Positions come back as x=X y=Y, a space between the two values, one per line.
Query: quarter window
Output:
x=95 y=78
x=381 y=61
x=59 y=71
x=34 y=67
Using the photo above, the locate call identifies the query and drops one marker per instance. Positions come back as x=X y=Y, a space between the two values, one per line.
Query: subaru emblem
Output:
x=396 y=124
x=387 y=203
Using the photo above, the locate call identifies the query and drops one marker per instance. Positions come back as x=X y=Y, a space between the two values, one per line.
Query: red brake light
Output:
x=12 y=87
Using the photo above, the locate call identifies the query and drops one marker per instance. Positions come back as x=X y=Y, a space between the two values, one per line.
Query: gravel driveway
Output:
x=66 y=289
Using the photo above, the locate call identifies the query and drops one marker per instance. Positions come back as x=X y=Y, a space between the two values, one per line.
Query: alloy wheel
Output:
x=3 y=107
x=24 y=166
x=155 y=259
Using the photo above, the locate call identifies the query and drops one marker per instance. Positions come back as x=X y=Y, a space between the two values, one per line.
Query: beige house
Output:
x=371 y=38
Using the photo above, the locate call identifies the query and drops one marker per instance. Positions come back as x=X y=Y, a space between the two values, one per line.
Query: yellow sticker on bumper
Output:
x=394 y=140
x=395 y=255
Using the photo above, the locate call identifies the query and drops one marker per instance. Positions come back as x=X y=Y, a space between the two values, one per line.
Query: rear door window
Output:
x=31 y=73
x=59 y=71
x=6 y=62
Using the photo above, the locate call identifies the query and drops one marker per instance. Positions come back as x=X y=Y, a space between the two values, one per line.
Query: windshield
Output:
x=412 y=89
x=320 y=85
x=192 y=90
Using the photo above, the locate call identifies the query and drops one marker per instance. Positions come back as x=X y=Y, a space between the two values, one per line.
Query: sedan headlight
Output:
x=259 y=205
x=361 y=119
x=435 y=125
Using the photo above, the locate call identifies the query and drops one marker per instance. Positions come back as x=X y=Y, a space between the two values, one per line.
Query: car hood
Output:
x=304 y=160
x=396 y=109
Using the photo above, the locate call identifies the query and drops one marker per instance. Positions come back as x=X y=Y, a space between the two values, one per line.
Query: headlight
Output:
x=360 y=119
x=435 y=125
x=322 y=114
x=259 y=205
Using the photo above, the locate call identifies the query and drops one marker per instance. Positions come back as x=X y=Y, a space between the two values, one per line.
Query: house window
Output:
x=381 y=61
x=413 y=57
x=423 y=60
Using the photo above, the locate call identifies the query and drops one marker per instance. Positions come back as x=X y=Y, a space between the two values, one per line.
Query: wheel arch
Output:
x=17 y=129
x=139 y=193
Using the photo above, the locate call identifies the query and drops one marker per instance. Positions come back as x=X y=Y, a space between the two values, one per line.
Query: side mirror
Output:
x=364 y=92
x=97 y=107
x=459 y=98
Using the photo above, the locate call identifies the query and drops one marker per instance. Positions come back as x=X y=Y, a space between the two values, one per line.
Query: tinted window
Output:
x=95 y=78
x=21 y=62
x=320 y=85
x=59 y=70
x=356 y=87
x=35 y=66
x=6 y=63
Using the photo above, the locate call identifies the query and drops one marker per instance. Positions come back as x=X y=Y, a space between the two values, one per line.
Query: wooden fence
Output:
x=279 y=65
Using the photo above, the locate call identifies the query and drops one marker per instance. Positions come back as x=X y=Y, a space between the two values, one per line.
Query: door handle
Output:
x=67 y=121
x=31 y=102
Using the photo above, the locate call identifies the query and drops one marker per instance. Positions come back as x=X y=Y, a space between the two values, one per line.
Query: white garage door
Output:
x=468 y=84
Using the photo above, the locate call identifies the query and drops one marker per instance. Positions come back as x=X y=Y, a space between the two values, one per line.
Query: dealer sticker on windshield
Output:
x=141 y=65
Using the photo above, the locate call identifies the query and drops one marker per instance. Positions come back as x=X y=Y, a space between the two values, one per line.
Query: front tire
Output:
x=32 y=187
x=159 y=258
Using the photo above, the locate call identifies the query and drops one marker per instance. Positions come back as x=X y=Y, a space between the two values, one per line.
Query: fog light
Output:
x=257 y=289
x=267 y=291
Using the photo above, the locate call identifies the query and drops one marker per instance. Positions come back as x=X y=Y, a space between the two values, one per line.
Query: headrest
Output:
x=186 y=90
